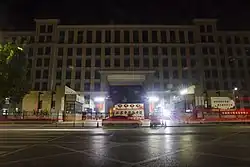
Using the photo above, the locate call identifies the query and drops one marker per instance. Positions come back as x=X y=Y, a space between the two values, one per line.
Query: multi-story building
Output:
x=89 y=57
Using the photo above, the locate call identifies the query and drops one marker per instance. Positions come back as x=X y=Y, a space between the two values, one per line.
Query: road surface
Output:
x=216 y=146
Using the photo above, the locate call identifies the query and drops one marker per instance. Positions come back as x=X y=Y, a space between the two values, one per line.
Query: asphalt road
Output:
x=216 y=146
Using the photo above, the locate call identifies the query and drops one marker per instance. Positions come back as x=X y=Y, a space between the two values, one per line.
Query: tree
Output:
x=13 y=70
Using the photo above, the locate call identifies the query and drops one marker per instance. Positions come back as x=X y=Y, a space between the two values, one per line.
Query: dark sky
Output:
x=20 y=13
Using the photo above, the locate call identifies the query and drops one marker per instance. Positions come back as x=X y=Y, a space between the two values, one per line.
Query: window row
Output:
x=126 y=36
x=123 y=51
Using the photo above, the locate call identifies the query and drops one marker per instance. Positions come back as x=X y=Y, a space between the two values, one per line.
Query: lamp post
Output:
x=234 y=96
x=184 y=92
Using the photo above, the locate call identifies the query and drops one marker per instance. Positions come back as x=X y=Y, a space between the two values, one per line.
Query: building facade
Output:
x=178 y=55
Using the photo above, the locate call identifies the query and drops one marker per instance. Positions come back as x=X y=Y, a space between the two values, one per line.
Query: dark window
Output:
x=39 y=62
x=59 y=63
x=209 y=28
x=80 y=37
x=213 y=62
x=246 y=40
x=136 y=62
x=165 y=74
x=204 y=50
x=97 y=86
x=48 y=38
x=184 y=63
x=237 y=40
x=219 y=39
x=145 y=51
x=107 y=62
x=87 y=74
x=78 y=75
x=190 y=37
x=70 y=37
x=136 y=51
x=174 y=62
x=42 y=28
x=69 y=62
x=40 y=51
x=155 y=50
x=192 y=51
x=50 y=28
x=59 y=75
x=173 y=51
x=202 y=28
x=247 y=51
x=86 y=86
x=203 y=39
x=126 y=51
x=117 y=37
x=117 y=51
x=60 y=51
x=183 y=51
x=154 y=37
x=214 y=73
x=172 y=37
x=175 y=74
x=97 y=75
x=117 y=62
x=145 y=62
x=165 y=62
x=135 y=36
x=88 y=52
x=88 y=63
x=47 y=50
x=228 y=40
x=61 y=36
x=107 y=51
x=79 y=52
x=98 y=37
x=68 y=74
x=210 y=38
x=97 y=63
x=78 y=62
x=164 y=51
x=77 y=86
x=163 y=37
x=181 y=37
x=89 y=36
x=126 y=36
x=155 y=62
x=70 y=51
x=145 y=36
x=193 y=62
x=238 y=51
x=46 y=62
x=38 y=74
x=30 y=52
x=107 y=36
x=206 y=62
x=126 y=62
x=44 y=86
x=45 y=74
x=98 y=51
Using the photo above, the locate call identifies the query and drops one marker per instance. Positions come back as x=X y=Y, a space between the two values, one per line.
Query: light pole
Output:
x=184 y=92
x=234 y=97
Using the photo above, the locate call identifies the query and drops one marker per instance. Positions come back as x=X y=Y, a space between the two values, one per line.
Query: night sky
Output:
x=19 y=14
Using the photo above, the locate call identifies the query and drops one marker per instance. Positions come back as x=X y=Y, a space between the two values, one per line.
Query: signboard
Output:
x=222 y=102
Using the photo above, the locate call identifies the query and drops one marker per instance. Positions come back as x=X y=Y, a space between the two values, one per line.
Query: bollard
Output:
x=97 y=124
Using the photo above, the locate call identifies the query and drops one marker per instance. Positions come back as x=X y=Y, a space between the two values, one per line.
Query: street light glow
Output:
x=153 y=99
x=235 y=88
x=183 y=92
x=99 y=99
x=19 y=48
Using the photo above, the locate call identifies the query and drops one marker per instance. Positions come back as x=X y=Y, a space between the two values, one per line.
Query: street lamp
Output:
x=153 y=99
x=234 y=97
x=183 y=93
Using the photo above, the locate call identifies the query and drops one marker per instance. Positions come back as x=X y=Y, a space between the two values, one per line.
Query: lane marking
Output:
x=11 y=146
x=2 y=152
x=36 y=158
x=95 y=155
x=30 y=146
x=223 y=156
x=186 y=148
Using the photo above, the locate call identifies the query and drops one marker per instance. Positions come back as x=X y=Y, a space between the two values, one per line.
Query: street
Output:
x=216 y=146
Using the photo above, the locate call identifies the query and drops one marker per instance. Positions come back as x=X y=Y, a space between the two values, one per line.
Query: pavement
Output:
x=216 y=146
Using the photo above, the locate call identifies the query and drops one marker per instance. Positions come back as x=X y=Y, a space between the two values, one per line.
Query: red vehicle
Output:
x=120 y=120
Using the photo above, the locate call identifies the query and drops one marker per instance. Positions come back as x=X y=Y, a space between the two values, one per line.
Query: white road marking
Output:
x=2 y=152
x=11 y=146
